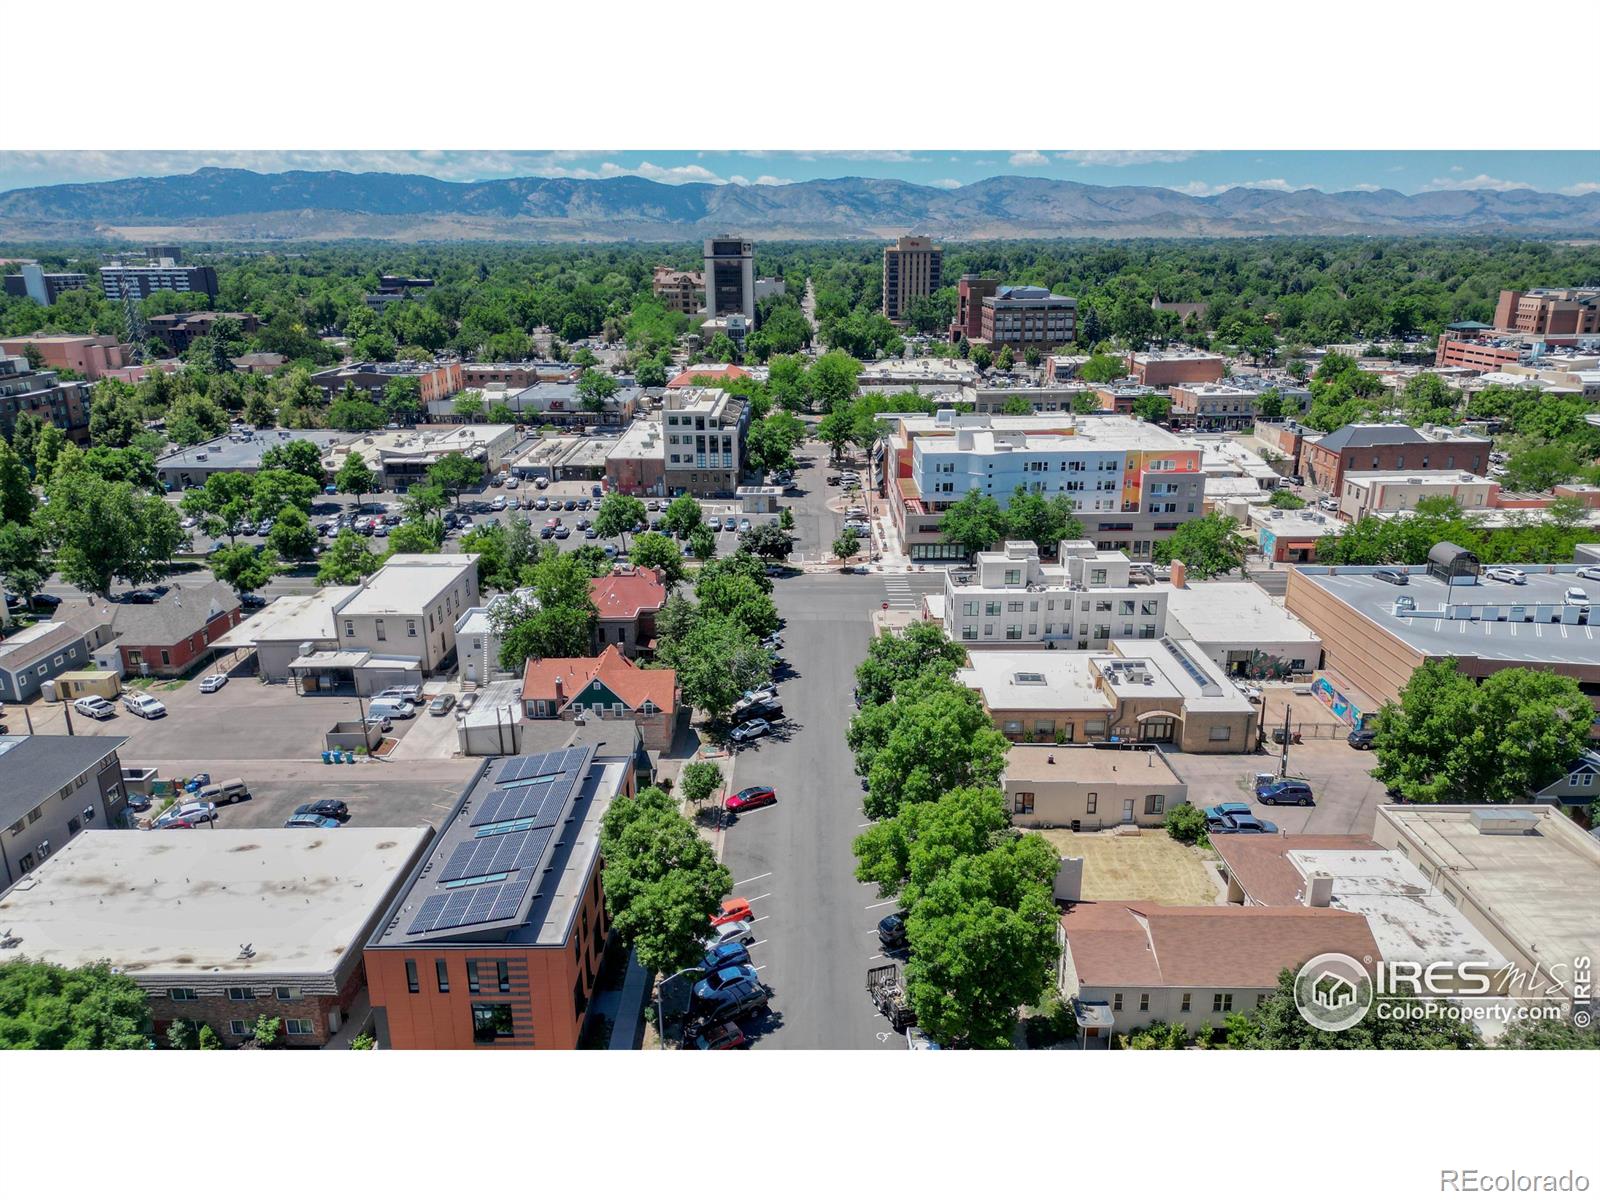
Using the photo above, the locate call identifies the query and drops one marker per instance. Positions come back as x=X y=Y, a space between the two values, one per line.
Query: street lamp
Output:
x=661 y=1019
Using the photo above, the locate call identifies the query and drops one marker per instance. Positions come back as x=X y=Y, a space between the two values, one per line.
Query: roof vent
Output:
x=247 y=950
x=1505 y=820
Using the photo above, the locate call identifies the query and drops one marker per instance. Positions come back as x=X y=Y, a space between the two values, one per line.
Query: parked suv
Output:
x=738 y=998
x=1284 y=791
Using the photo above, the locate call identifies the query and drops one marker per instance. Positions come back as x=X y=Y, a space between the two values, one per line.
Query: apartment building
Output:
x=913 y=267
x=1368 y=492
x=53 y=788
x=91 y=355
x=1166 y=368
x=1131 y=483
x=971 y=292
x=1326 y=459
x=1226 y=406
x=1549 y=311
x=41 y=286
x=1080 y=601
x=495 y=939
x=704 y=430
x=680 y=291
x=730 y=283
x=1028 y=318
x=177 y=331
x=409 y=607
x=64 y=404
x=220 y=927
x=140 y=282
x=435 y=380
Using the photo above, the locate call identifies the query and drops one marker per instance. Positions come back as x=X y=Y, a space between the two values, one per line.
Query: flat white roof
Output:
x=183 y=902
x=1434 y=477
x=289 y=619
x=1006 y=679
x=1296 y=522
x=407 y=583
x=1212 y=611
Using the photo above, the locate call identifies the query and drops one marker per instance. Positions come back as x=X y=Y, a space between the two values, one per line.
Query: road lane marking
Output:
x=753 y=920
x=866 y=824
x=884 y=904
x=752 y=879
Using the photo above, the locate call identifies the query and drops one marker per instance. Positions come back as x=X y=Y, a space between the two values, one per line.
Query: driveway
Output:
x=1347 y=794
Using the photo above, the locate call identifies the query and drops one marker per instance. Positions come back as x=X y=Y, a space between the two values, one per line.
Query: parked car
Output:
x=1240 y=824
x=892 y=931
x=1285 y=791
x=191 y=812
x=738 y=999
x=1362 y=739
x=392 y=709
x=729 y=525
x=310 y=821
x=45 y=602
x=1250 y=692
x=1506 y=575
x=251 y=600
x=468 y=701
x=1388 y=575
x=140 y=597
x=1229 y=808
x=1577 y=596
x=569 y=504
x=917 y=1040
x=337 y=809
x=767 y=710
x=409 y=691
x=724 y=954
x=1328 y=504
x=726 y=1036
x=213 y=683
x=758 y=796
x=498 y=504
x=138 y=803
x=731 y=931
x=563 y=532
x=750 y=730
x=583 y=504
x=1589 y=572
x=97 y=707
x=755 y=695
x=442 y=703
x=735 y=908
x=722 y=985
x=229 y=791
x=141 y=705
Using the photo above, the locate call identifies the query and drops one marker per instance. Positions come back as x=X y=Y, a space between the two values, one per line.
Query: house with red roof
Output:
x=606 y=687
x=627 y=601
x=712 y=371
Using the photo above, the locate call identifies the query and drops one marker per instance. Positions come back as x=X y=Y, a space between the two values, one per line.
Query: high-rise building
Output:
x=141 y=282
x=1021 y=317
x=41 y=286
x=1549 y=310
x=970 y=293
x=730 y=276
x=679 y=291
x=912 y=268
x=41 y=393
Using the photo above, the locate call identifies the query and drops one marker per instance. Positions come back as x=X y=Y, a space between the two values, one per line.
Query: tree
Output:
x=662 y=882
x=183 y=1036
x=1206 y=546
x=1016 y=406
x=454 y=473
x=786 y=378
x=244 y=568
x=1276 y=1024
x=424 y=535
x=25 y=433
x=469 y=406
x=224 y=500
x=982 y=938
x=208 y=1039
x=650 y=373
x=347 y=560
x=500 y=413
x=932 y=737
x=24 y=563
x=402 y=398
x=46 y=1007
x=1452 y=740
x=682 y=516
x=1103 y=368
x=717 y=659
x=699 y=780
x=1547 y=1033
x=661 y=552
x=766 y=541
x=114 y=415
x=355 y=478
x=272 y=490
x=1284 y=498
x=16 y=487
x=1004 y=360
x=297 y=455
x=557 y=622
x=268 y=1031
x=101 y=530
x=292 y=537
x=1538 y=466
x=1046 y=523
x=356 y=415
x=1185 y=823
x=1269 y=405
x=702 y=543
x=738 y=587
x=838 y=430
x=595 y=388
x=982 y=357
x=894 y=659
x=831 y=380
x=771 y=441
x=905 y=853
x=846 y=546
x=193 y=418
x=618 y=514
x=424 y=502
x=1154 y=409
x=974 y=522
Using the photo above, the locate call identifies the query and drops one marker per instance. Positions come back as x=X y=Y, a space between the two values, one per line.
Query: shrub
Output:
x=1185 y=823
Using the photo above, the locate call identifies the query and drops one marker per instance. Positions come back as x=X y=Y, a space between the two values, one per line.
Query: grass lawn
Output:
x=1149 y=867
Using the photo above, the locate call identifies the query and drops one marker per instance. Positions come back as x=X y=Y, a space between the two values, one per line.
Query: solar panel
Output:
x=427 y=914
x=509 y=900
x=456 y=867
x=455 y=908
x=511 y=770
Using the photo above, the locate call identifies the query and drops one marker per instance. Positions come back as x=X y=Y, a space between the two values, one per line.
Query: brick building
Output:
x=627 y=601
x=1028 y=318
x=62 y=403
x=435 y=380
x=681 y=291
x=177 y=331
x=161 y=639
x=91 y=355
x=913 y=267
x=495 y=939
x=1549 y=310
x=971 y=291
x=1325 y=459
x=1164 y=368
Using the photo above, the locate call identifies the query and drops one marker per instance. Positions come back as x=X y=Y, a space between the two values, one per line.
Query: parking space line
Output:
x=763 y=896
x=753 y=920
x=762 y=942
x=883 y=904
x=752 y=879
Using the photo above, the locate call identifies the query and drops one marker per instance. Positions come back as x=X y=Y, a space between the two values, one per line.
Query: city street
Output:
x=793 y=861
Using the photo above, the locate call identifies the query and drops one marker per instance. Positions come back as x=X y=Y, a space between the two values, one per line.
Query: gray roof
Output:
x=1354 y=437
x=184 y=611
x=241 y=452
x=35 y=766
x=16 y=652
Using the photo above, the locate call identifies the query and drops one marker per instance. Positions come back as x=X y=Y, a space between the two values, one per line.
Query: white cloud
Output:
x=944 y=183
x=1028 y=158
x=1486 y=183
x=1359 y=187
x=688 y=173
x=759 y=181
x=1126 y=158
x=1196 y=187
x=888 y=156
x=1579 y=189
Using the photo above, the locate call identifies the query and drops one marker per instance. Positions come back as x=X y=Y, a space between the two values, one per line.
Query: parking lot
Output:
x=1347 y=796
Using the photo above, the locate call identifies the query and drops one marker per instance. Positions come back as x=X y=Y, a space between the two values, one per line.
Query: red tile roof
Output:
x=708 y=371
x=632 y=685
x=1141 y=944
x=627 y=592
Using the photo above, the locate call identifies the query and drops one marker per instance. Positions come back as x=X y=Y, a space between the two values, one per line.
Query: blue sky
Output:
x=1197 y=172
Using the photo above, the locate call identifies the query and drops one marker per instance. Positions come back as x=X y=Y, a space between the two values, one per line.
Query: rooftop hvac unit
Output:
x=1319 y=889
x=1505 y=820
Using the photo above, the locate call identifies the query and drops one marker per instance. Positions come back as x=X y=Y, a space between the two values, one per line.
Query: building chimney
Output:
x=1179 y=574
x=1319 y=889
x=561 y=691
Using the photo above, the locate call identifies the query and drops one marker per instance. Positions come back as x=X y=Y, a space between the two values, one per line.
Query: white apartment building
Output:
x=704 y=430
x=409 y=608
x=1367 y=492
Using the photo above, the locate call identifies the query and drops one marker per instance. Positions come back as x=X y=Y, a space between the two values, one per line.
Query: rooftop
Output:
x=562 y=679
x=1033 y=679
x=1171 y=668
x=628 y=591
x=1539 y=887
x=1227 y=611
x=1057 y=431
x=176 y=905
x=184 y=610
x=406 y=583
x=1078 y=764
x=1203 y=947
x=1436 y=477
x=688 y=375
x=306 y=618
x=514 y=856
x=1478 y=622
x=1296 y=522
x=242 y=450
x=33 y=767
x=1354 y=437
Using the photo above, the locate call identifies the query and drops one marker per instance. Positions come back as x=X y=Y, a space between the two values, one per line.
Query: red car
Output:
x=726 y=1036
x=736 y=908
x=752 y=797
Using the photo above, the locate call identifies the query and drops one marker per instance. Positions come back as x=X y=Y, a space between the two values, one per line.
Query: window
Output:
x=181 y=994
x=1116 y=1002
x=492 y=1022
x=442 y=973
x=1581 y=778
x=1183 y=1005
x=1013 y=578
x=1220 y=733
x=35 y=814
x=1144 y=1001
x=1221 y=1001
x=579 y=1000
x=1094 y=803
x=166 y=659
x=412 y=984
x=1012 y=729
x=17 y=827
x=1022 y=802
x=286 y=993
x=239 y=1028
x=295 y=1027
x=411 y=628
x=381 y=636
x=349 y=629
x=503 y=973
x=88 y=815
x=73 y=825
x=1155 y=805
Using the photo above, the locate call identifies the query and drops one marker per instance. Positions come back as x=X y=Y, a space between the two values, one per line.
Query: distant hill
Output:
x=304 y=205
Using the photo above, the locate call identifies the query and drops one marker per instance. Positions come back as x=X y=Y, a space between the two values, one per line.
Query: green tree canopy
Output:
x=1276 y=1024
x=932 y=737
x=46 y=1007
x=1207 y=546
x=717 y=659
x=894 y=659
x=347 y=559
x=454 y=473
x=974 y=522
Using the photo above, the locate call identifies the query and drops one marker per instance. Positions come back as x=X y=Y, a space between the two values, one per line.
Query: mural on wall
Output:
x=1263 y=666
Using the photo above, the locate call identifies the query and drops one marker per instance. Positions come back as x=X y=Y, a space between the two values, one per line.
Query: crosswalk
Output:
x=898 y=588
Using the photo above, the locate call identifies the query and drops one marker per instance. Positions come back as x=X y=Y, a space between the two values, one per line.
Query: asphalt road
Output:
x=793 y=861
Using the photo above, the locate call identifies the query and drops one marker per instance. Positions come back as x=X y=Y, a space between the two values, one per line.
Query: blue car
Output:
x=1231 y=808
x=1285 y=791
x=310 y=821
x=729 y=954
x=724 y=983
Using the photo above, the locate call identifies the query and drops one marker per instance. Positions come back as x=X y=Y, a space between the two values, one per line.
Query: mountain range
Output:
x=237 y=205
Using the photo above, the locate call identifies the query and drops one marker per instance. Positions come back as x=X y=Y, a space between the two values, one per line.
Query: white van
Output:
x=400 y=710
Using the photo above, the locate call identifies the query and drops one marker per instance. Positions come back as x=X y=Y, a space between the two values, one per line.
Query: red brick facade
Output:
x=174 y=659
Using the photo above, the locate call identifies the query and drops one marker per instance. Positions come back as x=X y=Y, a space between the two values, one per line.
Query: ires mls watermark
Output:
x=1335 y=992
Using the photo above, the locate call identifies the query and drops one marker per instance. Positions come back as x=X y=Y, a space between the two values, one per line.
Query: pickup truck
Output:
x=141 y=705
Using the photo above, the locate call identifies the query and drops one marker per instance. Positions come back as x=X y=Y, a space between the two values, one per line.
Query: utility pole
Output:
x=1283 y=759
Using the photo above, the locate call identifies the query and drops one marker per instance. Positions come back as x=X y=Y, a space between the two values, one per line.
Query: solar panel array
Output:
x=554 y=763
x=497 y=853
x=517 y=797
x=469 y=906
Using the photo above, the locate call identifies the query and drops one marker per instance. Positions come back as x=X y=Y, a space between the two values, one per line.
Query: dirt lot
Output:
x=1149 y=867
